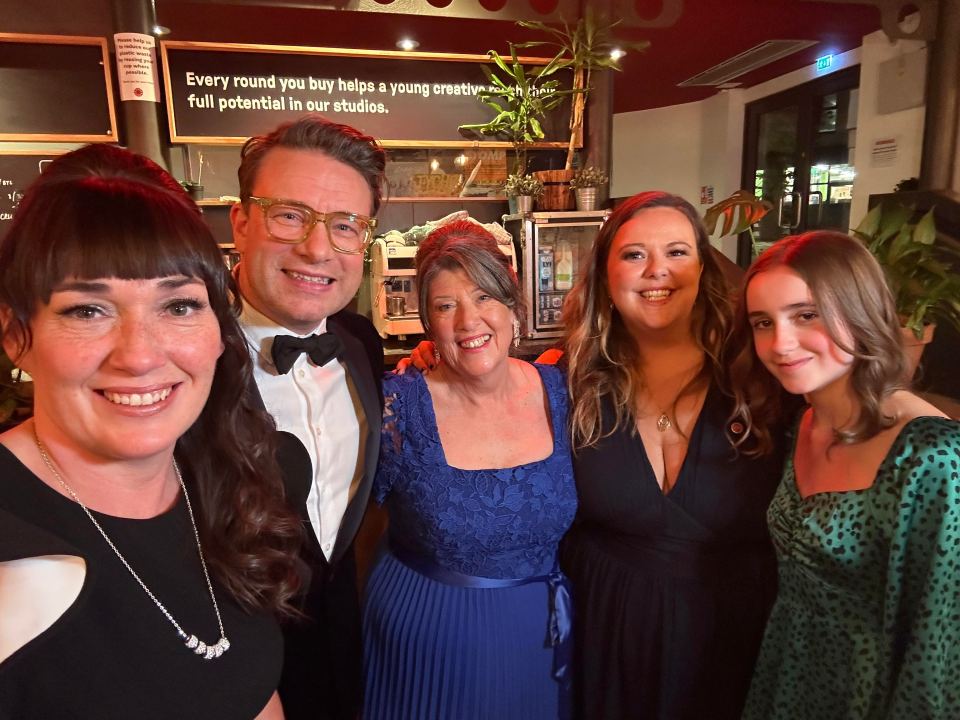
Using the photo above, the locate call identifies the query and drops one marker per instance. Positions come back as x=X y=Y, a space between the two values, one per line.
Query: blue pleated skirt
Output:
x=433 y=650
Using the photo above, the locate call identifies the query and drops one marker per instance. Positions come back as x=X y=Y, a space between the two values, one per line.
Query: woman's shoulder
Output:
x=918 y=421
x=400 y=384
x=20 y=538
x=553 y=375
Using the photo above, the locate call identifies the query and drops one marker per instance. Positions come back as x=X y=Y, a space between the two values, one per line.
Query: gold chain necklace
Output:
x=207 y=652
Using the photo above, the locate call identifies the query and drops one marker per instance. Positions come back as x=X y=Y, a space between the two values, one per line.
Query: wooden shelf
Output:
x=449 y=198
x=215 y=202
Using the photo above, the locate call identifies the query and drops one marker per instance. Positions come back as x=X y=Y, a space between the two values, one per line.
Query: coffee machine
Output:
x=394 y=306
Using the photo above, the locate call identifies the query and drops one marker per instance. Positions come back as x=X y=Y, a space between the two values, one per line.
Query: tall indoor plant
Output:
x=521 y=98
x=583 y=47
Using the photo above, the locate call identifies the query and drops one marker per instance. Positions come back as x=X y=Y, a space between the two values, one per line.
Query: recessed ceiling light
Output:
x=161 y=30
x=407 y=44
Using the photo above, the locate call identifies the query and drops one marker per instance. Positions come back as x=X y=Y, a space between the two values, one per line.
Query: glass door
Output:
x=798 y=156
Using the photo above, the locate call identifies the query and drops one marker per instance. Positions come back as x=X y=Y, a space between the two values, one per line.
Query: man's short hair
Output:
x=341 y=142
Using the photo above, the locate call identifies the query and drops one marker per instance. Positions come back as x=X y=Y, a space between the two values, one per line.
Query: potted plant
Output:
x=521 y=99
x=194 y=189
x=522 y=190
x=586 y=46
x=922 y=273
x=585 y=184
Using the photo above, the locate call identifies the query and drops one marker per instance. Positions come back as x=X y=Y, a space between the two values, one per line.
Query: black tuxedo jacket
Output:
x=323 y=654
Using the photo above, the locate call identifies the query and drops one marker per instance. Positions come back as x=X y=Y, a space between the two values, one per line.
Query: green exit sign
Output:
x=824 y=62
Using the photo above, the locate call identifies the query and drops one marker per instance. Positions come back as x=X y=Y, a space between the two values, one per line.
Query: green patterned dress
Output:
x=866 y=625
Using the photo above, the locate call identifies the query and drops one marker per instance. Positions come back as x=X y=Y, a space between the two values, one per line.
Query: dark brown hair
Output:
x=465 y=245
x=851 y=294
x=602 y=357
x=101 y=211
x=314 y=132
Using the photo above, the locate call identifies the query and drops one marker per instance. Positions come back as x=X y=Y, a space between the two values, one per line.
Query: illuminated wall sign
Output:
x=824 y=62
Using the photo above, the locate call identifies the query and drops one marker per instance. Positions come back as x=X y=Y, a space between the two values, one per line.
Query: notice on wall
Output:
x=884 y=151
x=136 y=66
x=227 y=93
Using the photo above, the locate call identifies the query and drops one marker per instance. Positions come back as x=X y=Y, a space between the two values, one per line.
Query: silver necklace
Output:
x=207 y=652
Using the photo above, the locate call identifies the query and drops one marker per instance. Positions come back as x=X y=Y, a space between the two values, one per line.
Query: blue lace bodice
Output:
x=498 y=523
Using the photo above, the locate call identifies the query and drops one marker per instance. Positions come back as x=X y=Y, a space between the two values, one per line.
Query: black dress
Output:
x=112 y=654
x=672 y=591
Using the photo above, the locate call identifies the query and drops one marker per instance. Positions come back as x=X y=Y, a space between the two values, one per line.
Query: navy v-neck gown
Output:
x=672 y=591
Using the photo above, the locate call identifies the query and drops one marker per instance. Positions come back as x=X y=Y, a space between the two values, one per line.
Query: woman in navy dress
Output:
x=466 y=613
x=670 y=559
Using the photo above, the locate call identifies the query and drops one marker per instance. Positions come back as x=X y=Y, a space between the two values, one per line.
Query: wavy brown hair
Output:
x=602 y=358
x=851 y=294
x=101 y=211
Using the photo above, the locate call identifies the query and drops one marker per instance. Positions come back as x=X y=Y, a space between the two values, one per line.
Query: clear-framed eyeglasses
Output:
x=289 y=221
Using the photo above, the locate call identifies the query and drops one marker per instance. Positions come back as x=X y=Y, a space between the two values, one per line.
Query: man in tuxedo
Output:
x=309 y=191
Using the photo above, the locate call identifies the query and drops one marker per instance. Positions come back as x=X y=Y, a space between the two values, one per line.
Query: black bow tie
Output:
x=321 y=349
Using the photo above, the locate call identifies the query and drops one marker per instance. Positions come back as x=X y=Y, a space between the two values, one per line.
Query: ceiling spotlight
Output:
x=407 y=44
x=616 y=54
x=161 y=30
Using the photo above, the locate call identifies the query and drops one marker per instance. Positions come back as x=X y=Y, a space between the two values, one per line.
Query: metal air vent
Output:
x=758 y=56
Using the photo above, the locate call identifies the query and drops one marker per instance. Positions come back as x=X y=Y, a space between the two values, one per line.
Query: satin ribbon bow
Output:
x=321 y=349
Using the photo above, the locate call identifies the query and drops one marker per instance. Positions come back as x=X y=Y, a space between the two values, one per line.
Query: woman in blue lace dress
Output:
x=466 y=613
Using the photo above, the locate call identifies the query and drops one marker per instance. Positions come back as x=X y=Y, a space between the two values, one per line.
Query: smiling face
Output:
x=297 y=286
x=790 y=336
x=653 y=271
x=121 y=368
x=472 y=329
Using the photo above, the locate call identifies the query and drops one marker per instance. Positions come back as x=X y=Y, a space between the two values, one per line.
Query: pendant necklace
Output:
x=663 y=422
x=207 y=652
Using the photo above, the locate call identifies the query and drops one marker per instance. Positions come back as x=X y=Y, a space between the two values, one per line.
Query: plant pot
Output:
x=556 y=189
x=913 y=348
x=586 y=198
x=524 y=203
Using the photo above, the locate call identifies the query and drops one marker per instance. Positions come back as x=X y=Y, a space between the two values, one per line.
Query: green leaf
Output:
x=495 y=56
x=870 y=224
x=892 y=220
x=925 y=232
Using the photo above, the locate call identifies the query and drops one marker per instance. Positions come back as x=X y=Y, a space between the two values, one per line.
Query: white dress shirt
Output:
x=321 y=407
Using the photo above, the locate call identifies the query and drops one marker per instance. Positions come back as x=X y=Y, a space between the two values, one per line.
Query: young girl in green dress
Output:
x=866 y=521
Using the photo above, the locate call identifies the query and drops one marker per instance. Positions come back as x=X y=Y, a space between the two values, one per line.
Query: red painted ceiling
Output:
x=708 y=32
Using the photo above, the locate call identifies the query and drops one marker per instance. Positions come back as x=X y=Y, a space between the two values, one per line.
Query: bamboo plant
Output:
x=583 y=47
x=522 y=98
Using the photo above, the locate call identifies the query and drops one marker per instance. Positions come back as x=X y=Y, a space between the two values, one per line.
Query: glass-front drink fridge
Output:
x=551 y=248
